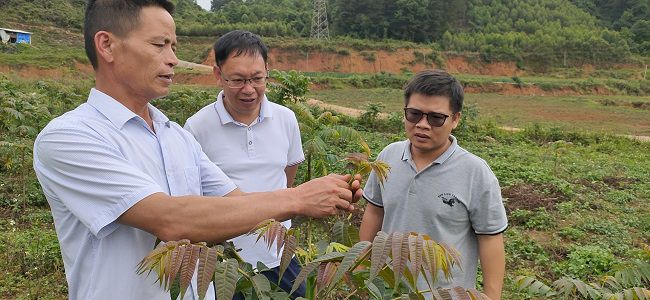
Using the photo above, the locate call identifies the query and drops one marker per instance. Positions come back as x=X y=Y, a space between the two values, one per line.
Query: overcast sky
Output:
x=204 y=3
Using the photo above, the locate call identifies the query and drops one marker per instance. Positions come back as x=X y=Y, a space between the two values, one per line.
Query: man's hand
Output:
x=325 y=196
x=355 y=187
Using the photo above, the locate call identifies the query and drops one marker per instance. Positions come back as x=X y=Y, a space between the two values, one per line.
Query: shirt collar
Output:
x=265 y=110
x=116 y=112
x=406 y=155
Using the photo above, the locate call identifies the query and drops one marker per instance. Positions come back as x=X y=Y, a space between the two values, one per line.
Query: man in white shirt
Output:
x=254 y=141
x=117 y=173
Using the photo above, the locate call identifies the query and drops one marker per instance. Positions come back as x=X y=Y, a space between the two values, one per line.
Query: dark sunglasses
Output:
x=433 y=118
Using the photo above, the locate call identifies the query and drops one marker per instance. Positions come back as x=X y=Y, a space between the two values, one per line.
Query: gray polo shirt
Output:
x=452 y=200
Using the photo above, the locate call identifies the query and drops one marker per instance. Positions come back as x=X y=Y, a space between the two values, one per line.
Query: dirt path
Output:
x=357 y=112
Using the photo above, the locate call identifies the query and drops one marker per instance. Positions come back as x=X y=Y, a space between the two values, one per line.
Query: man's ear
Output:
x=216 y=71
x=455 y=119
x=104 y=46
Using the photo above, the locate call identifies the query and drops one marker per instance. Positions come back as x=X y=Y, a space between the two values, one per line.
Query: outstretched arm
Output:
x=216 y=219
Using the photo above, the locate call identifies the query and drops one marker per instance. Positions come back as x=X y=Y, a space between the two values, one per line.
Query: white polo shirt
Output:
x=96 y=162
x=254 y=157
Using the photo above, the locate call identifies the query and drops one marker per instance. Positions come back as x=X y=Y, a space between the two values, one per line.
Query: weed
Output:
x=586 y=261
x=537 y=219
x=572 y=233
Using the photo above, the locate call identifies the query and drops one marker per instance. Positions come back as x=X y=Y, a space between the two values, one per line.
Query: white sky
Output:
x=204 y=3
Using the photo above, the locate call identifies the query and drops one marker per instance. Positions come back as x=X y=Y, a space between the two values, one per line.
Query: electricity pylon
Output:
x=319 y=26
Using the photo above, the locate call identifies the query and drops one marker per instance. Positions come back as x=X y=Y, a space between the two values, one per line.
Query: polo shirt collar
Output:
x=117 y=113
x=225 y=117
x=406 y=155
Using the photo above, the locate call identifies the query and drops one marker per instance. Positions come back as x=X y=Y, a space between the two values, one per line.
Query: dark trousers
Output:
x=286 y=282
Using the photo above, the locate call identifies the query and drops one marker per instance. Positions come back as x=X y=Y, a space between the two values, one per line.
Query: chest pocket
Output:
x=186 y=181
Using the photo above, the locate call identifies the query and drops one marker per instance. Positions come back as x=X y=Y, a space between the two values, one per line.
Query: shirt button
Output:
x=250 y=142
x=249 y=129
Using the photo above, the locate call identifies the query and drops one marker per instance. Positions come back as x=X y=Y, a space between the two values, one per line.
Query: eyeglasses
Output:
x=433 y=118
x=257 y=81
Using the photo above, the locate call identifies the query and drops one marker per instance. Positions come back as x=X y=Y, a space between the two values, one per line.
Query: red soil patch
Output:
x=460 y=64
x=354 y=62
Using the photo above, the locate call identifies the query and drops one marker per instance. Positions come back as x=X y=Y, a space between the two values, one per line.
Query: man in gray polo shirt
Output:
x=438 y=188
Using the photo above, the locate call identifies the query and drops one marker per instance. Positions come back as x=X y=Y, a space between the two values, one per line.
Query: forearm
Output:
x=371 y=223
x=212 y=219
x=215 y=219
x=492 y=257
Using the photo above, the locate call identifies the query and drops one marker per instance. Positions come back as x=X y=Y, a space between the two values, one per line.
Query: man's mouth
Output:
x=168 y=77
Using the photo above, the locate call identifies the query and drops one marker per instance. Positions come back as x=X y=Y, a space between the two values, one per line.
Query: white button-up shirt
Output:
x=96 y=162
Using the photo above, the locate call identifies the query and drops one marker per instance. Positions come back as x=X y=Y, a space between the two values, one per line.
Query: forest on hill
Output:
x=557 y=32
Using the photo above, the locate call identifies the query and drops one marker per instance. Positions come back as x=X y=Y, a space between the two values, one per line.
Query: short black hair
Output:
x=436 y=83
x=115 y=16
x=240 y=42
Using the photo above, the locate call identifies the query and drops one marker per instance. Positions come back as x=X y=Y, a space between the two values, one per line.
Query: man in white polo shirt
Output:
x=254 y=141
x=438 y=188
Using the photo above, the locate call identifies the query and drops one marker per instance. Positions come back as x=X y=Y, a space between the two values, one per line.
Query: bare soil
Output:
x=531 y=196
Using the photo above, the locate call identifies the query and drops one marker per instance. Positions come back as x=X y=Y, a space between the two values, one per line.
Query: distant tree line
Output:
x=527 y=31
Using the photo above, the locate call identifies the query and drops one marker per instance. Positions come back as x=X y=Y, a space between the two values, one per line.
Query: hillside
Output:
x=559 y=32
x=508 y=43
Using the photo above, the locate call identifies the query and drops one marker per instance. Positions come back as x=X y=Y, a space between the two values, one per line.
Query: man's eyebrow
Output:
x=242 y=75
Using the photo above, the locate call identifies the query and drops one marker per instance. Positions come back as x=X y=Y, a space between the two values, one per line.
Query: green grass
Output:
x=595 y=184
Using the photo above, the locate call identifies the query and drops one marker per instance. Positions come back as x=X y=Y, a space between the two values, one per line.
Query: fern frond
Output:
x=611 y=282
x=373 y=290
x=533 y=286
x=331 y=256
x=302 y=276
x=459 y=293
x=176 y=259
x=290 y=245
x=187 y=267
x=226 y=278
x=357 y=252
x=262 y=286
x=381 y=246
x=325 y=274
x=399 y=254
x=566 y=287
x=314 y=146
x=206 y=266
x=476 y=295
x=381 y=169
x=351 y=135
x=320 y=275
x=303 y=114
x=416 y=246
x=272 y=231
x=636 y=275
